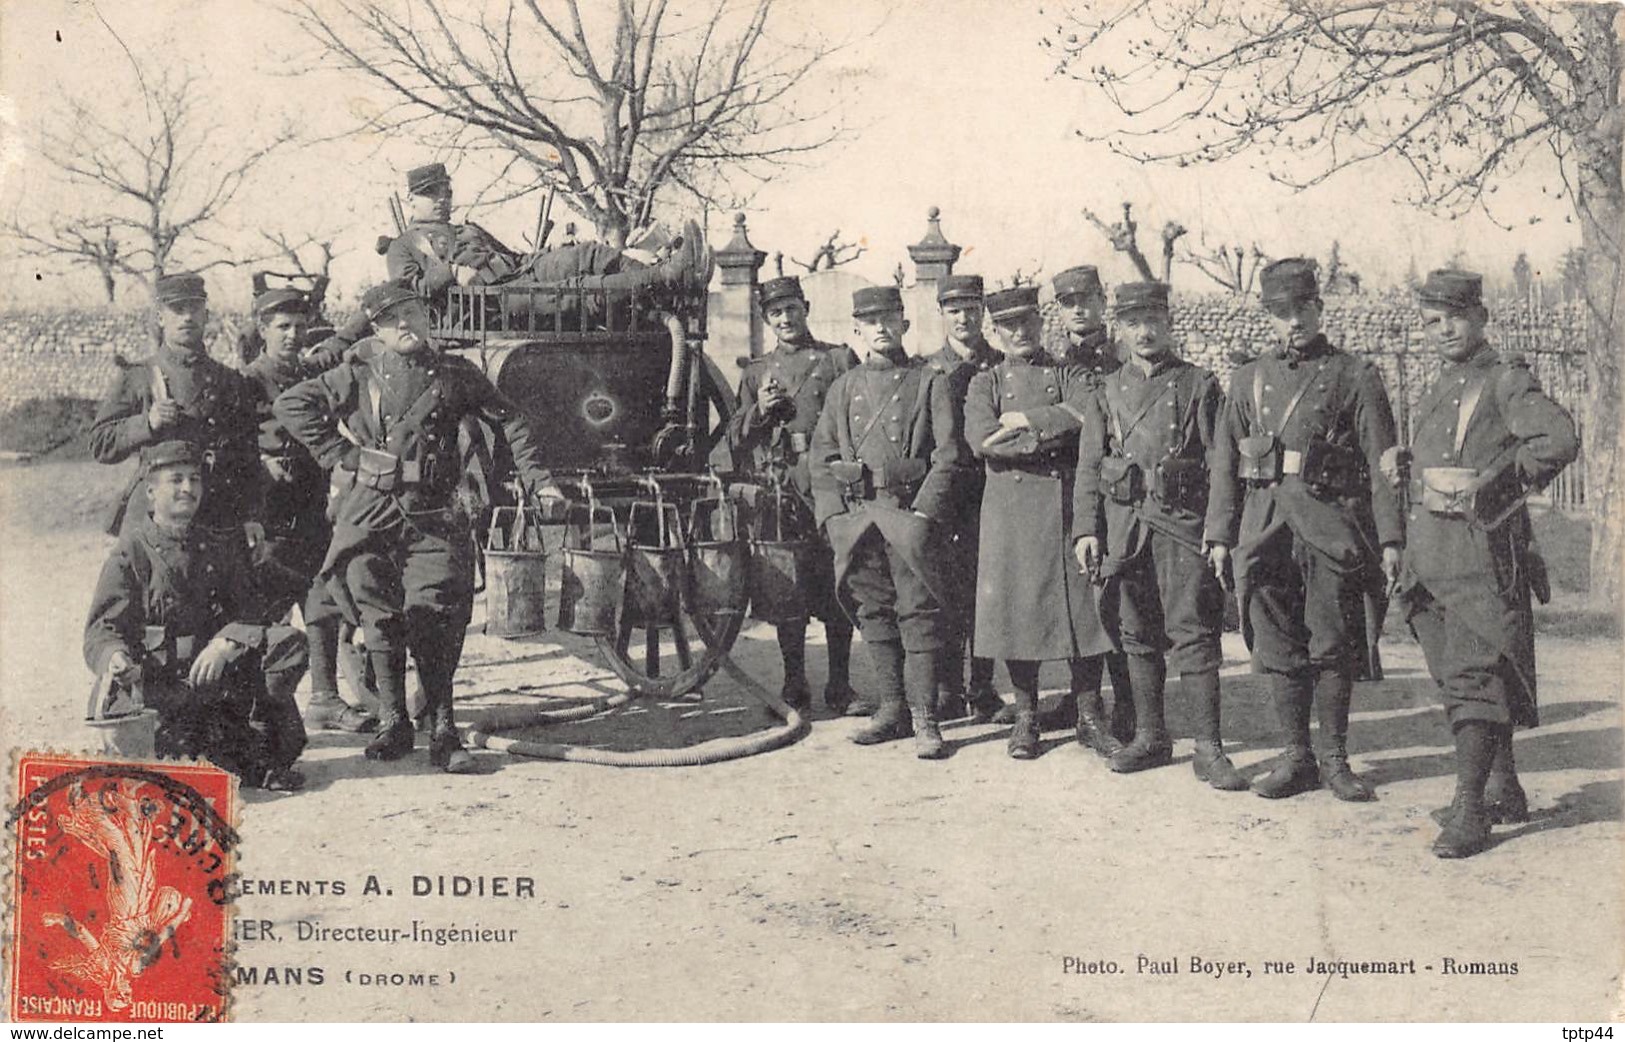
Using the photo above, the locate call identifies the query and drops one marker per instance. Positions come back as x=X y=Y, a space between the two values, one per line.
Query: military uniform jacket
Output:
x=411 y=407
x=295 y=508
x=467 y=245
x=959 y=372
x=1031 y=601
x=1343 y=402
x=806 y=372
x=1095 y=355
x=217 y=415
x=1166 y=419
x=1484 y=578
x=193 y=584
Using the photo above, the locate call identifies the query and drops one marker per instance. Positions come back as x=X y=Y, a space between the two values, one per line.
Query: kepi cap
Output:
x=1452 y=288
x=384 y=296
x=876 y=300
x=782 y=288
x=960 y=287
x=1083 y=280
x=1140 y=296
x=170 y=454
x=185 y=286
x=1012 y=303
x=427 y=179
x=274 y=300
x=1287 y=280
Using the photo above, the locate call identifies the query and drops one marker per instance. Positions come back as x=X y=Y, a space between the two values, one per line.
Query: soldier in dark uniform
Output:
x=1022 y=417
x=781 y=396
x=294 y=517
x=1142 y=499
x=885 y=467
x=1082 y=342
x=183 y=394
x=964 y=354
x=1295 y=472
x=175 y=610
x=433 y=253
x=401 y=559
x=1484 y=438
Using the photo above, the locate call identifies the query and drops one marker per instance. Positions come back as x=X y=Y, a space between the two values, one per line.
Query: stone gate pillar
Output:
x=735 y=323
x=934 y=257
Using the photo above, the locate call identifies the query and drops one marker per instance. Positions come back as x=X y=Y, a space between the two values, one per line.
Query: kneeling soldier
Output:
x=1305 y=428
x=781 y=396
x=297 y=532
x=175 y=609
x=401 y=560
x=1022 y=417
x=885 y=466
x=1142 y=495
x=1484 y=438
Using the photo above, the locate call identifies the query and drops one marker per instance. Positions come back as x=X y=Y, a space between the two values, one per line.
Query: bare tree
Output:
x=284 y=247
x=1461 y=92
x=156 y=175
x=833 y=253
x=1232 y=268
x=1125 y=239
x=609 y=104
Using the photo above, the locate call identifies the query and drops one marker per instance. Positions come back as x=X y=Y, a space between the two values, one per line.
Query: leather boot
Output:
x=985 y=703
x=1210 y=763
x=838 y=693
x=891 y=717
x=1063 y=717
x=920 y=686
x=1468 y=831
x=395 y=736
x=1504 y=797
x=1093 y=730
x=1294 y=771
x=950 y=702
x=328 y=712
x=1023 y=743
x=1116 y=664
x=1334 y=690
x=1151 y=747
x=437 y=652
x=796 y=693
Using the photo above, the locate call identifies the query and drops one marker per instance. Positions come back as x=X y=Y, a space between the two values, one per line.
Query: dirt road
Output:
x=828 y=881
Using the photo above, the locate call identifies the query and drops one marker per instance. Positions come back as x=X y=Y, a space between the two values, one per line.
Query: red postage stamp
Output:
x=119 y=894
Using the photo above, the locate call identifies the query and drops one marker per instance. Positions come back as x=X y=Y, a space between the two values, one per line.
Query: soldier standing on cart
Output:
x=297 y=531
x=885 y=472
x=965 y=353
x=781 y=395
x=1142 y=499
x=1485 y=437
x=1295 y=472
x=1032 y=605
x=401 y=559
x=184 y=395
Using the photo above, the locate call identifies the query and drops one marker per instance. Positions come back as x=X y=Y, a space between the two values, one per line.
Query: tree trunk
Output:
x=1604 y=498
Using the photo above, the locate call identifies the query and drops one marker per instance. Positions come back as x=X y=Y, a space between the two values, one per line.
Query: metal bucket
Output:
x=592 y=587
x=718 y=560
x=515 y=575
x=655 y=561
x=783 y=559
x=117 y=714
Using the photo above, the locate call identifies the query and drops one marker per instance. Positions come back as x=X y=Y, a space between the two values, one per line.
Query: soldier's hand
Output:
x=211 y=664
x=1014 y=421
x=119 y=663
x=1391 y=561
x=355 y=327
x=1393 y=464
x=1087 y=551
x=277 y=469
x=163 y=413
x=1219 y=558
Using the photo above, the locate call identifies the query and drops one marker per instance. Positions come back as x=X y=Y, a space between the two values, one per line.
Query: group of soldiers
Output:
x=1090 y=502
x=1096 y=501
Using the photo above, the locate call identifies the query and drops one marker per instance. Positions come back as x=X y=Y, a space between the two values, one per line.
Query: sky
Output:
x=950 y=103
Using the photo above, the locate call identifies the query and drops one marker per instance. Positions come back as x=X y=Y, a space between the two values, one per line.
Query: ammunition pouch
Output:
x=900 y=475
x=1181 y=484
x=1450 y=491
x=1334 y=470
x=1122 y=480
x=1259 y=459
x=854 y=478
x=377 y=469
x=799 y=441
